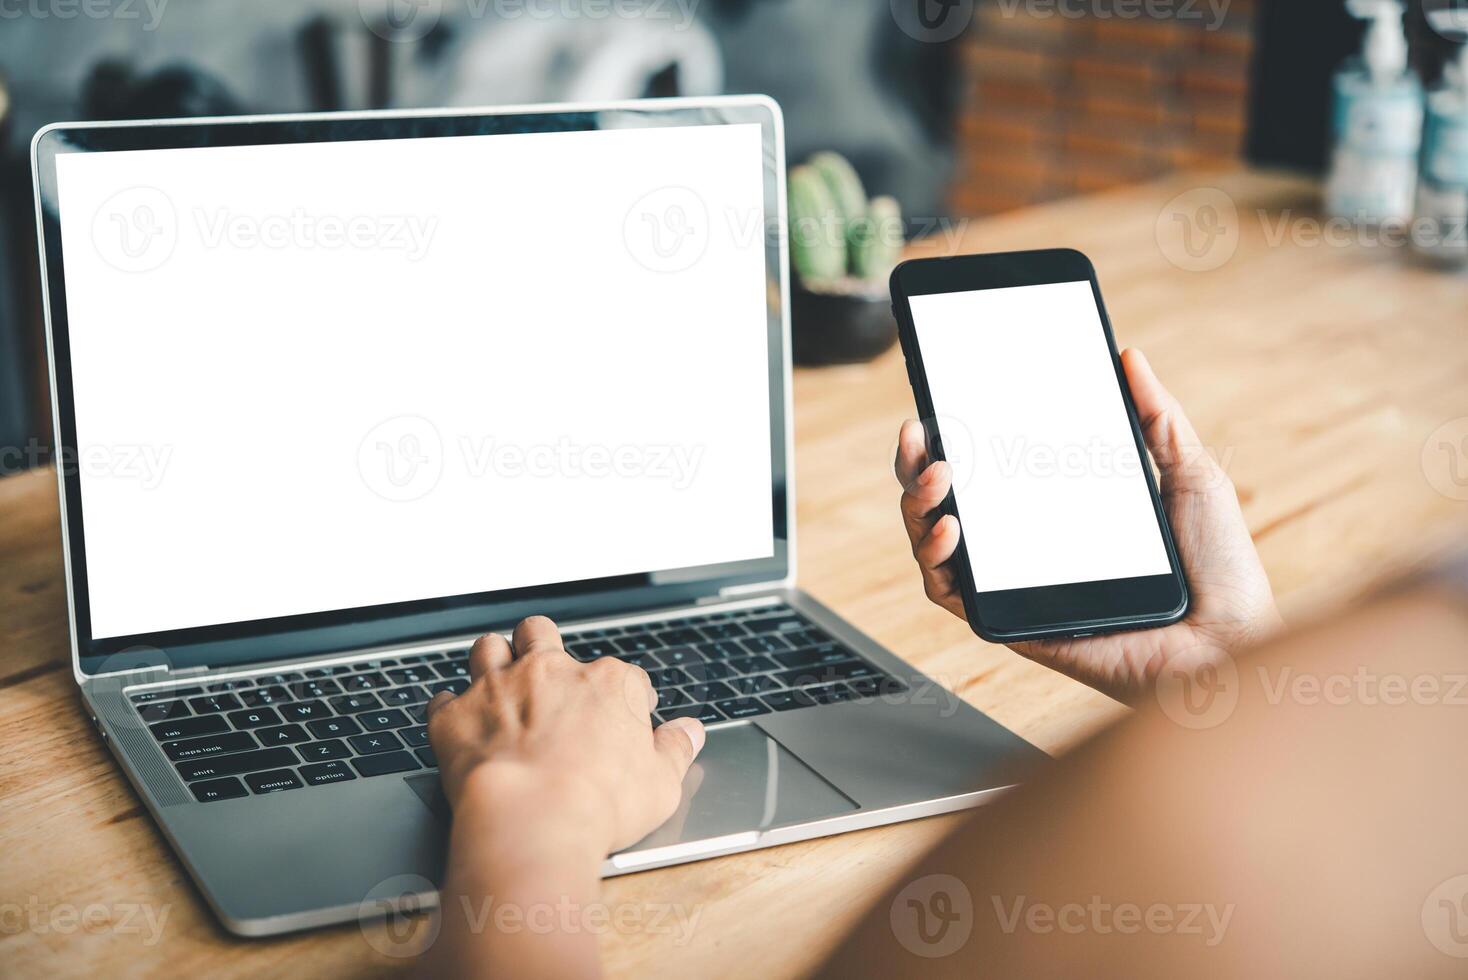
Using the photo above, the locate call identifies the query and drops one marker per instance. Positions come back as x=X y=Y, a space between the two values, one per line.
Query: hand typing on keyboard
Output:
x=550 y=764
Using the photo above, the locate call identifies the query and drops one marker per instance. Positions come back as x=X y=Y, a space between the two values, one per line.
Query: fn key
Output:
x=210 y=790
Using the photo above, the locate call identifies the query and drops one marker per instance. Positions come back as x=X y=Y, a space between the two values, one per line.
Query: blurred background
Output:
x=956 y=108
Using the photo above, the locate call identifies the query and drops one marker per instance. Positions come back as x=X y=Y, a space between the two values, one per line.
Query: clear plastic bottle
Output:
x=1377 y=124
x=1440 y=231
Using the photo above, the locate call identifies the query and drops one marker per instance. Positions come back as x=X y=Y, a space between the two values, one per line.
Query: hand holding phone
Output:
x=1231 y=604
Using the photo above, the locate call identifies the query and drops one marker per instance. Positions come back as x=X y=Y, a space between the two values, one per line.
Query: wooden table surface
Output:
x=1316 y=368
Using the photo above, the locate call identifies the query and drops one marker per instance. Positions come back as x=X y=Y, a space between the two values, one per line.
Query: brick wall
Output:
x=1058 y=105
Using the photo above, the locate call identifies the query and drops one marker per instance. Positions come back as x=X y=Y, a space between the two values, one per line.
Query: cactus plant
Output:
x=835 y=234
x=817 y=230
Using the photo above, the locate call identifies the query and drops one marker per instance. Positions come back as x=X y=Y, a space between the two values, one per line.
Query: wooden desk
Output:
x=1317 y=371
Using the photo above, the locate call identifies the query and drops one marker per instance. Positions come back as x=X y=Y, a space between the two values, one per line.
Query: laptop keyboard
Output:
x=285 y=731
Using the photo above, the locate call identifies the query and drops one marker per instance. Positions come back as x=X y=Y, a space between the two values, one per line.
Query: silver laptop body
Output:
x=814 y=728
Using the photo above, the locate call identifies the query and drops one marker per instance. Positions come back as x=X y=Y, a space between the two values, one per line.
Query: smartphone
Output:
x=1020 y=387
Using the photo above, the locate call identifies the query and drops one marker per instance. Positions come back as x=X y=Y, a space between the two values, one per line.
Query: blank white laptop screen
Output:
x=333 y=375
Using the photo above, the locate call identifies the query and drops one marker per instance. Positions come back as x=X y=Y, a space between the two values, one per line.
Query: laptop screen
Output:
x=330 y=375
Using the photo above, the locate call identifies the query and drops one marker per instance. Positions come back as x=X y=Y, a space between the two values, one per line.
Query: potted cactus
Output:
x=842 y=248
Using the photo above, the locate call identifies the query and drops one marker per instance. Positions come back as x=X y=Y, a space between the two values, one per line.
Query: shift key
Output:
x=240 y=762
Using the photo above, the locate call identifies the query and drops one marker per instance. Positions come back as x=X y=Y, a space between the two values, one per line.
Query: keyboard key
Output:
x=274 y=781
x=378 y=765
x=365 y=682
x=831 y=693
x=254 y=718
x=334 y=728
x=452 y=669
x=680 y=656
x=827 y=673
x=164 y=694
x=197 y=748
x=713 y=671
x=426 y=756
x=808 y=637
x=165 y=731
x=743 y=707
x=646 y=661
x=282 y=735
x=764 y=644
x=667 y=677
x=758 y=684
x=811 y=656
x=680 y=636
x=376 y=721
x=753 y=665
x=278 y=679
x=721 y=650
x=775 y=624
x=234 y=765
x=210 y=790
x=589 y=650
x=641 y=643
x=318 y=689
x=333 y=748
x=211 y=703
x=705 y=713
x=414 y=738
x=670 y=698
x=351 y=704
x=878 y=686
x=265 y=696
x=305 y=711
x=419 y=713
x=412 y=675
x=163 y=710
x=456 y=686
x=401 y=697
x=788 y=700
x=713 y=691
x=374 y=742
x=327 y=772
x=723 y=631
x=238 y=683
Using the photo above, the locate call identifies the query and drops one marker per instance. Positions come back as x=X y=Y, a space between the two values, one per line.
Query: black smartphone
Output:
x=1020 y=387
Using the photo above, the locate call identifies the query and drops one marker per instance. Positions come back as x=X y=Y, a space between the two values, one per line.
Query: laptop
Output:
x=335 y=394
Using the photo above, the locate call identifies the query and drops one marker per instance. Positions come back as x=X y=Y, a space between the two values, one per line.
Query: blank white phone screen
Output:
x=1047 y=477
x=332 y=375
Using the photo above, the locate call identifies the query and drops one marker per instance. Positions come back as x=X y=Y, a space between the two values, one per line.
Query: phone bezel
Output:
x=1074 y=609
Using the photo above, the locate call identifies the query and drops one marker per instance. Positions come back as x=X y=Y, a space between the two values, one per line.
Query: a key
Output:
x=254 y=718
x=334 y=728
x=197 y=748
x=333 y=748
x=376 y=721
x=282 y=735
x=234 y=765
x=165 y=731
x=327 y=772
x=378 y=765
x=274 y=781
x=210 y=790
x=373 y=742
x=743 y=707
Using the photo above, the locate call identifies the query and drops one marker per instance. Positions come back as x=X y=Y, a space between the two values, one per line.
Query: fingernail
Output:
x=694 y=730
x=929 y=475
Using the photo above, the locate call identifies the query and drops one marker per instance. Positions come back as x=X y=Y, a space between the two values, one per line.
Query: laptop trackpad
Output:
x=744 y=780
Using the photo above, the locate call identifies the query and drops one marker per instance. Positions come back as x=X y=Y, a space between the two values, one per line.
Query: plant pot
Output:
x=841 y=321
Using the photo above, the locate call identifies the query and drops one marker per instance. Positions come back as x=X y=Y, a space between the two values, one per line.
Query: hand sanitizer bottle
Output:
x=1440 y=232
x=1378 y=124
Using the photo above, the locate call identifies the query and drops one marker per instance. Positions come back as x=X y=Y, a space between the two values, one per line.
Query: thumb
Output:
x=678 y=741
x=1182 y=459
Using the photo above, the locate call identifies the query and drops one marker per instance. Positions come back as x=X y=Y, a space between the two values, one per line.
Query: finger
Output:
x=535 y=634
x=1182 y=460
x=679 y=741
x=490 y=652
x=437 y=704
x=921 y=500
x=940 y=544
x=912 y=452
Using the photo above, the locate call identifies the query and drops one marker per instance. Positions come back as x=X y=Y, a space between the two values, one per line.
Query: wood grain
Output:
x=1317 y=372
